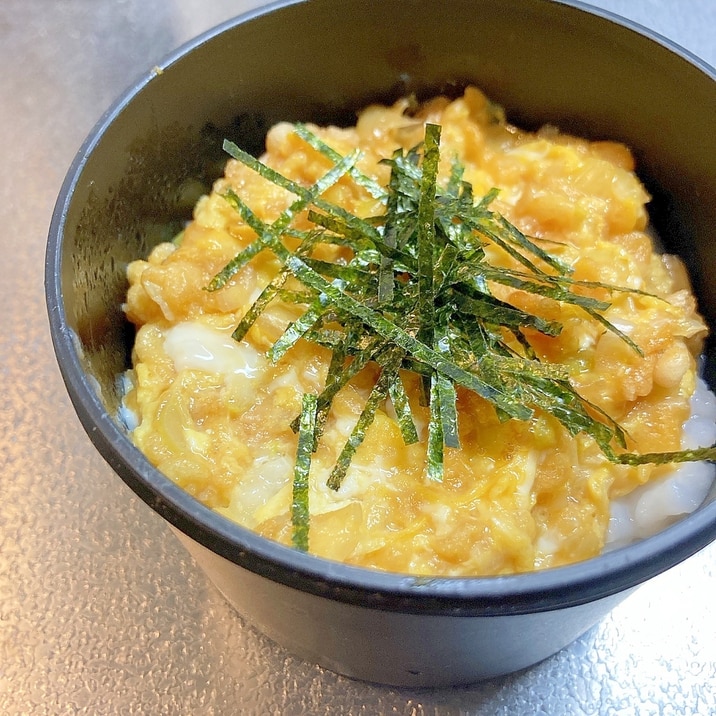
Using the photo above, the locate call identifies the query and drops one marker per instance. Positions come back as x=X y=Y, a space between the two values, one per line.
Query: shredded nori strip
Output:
x=389 y=367
x=415 y=295
x=300 y=516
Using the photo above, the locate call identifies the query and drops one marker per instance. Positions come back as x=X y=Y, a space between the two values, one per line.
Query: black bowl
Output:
x=136 y=177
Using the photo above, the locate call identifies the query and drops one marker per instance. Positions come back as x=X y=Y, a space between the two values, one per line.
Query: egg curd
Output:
x=215 y=414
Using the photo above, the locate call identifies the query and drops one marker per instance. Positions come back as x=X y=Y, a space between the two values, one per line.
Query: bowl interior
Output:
x=136 y=178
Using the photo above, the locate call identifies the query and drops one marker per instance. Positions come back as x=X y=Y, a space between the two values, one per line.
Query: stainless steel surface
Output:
x=101 y=610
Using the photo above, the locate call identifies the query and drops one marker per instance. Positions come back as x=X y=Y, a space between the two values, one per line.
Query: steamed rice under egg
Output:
x=214 y=414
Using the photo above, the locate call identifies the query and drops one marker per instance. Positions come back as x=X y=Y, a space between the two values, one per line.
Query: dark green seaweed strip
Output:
x=371 y=186
x=426 y=233
x=519 y=239
x=418 y=350
x=277 y=178
x=434 y=458
x=341 y=378
x=344 y=234
x=297 y=297
x=258 y=306
x=348 y=274
x=445 y=388
x=361 y=226
x=297 y=329
x=356 y=234
x=455 y=183
x=541 y=286
x=557 y=292
x=611 y=327
x=563 y=284
x=300 y=515
x=663 y=458
x=276 y=228
x=489 y=231
x=340 y=373
x=445 y=270
x=306 y=194
x=377 y=396
x=491 y=310
x=386 y=280
x=507 y=235
x=236 y=264
x=401 y=405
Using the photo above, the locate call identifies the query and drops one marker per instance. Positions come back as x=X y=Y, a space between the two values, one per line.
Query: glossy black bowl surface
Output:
x=135 y=180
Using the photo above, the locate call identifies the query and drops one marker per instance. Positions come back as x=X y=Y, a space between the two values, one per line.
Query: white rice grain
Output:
x=654 y=506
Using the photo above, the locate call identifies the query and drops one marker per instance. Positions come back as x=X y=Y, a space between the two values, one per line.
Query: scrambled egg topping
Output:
x=214 y=414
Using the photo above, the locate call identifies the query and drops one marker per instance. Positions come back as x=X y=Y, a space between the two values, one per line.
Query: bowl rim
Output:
x=615 y=571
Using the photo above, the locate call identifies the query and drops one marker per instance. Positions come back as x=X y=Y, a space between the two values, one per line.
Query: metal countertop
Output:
x=101 y=610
